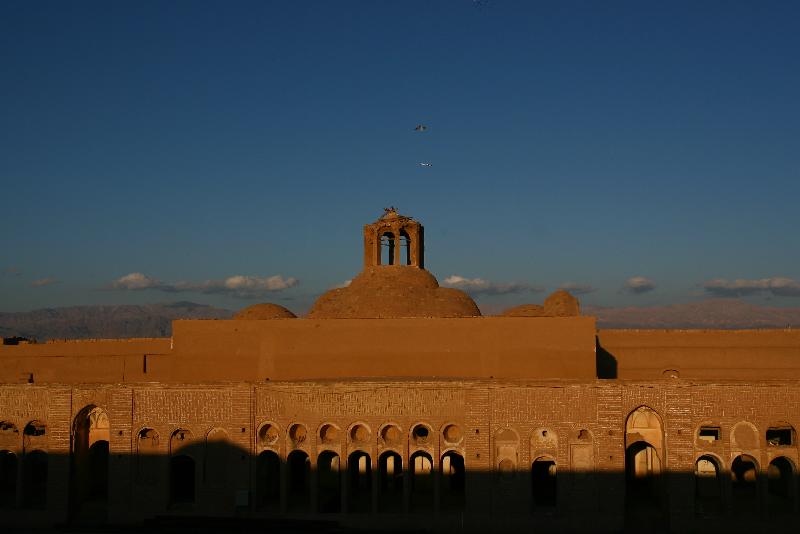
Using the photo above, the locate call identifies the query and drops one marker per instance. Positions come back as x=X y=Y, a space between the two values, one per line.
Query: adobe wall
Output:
x=729 y=354
x=66 y=362
x=499 y=347
x=309 y=349
x=585 y=426
x=508 y=347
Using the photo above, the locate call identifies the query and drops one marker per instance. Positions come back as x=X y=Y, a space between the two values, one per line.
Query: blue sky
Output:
x=583 y=143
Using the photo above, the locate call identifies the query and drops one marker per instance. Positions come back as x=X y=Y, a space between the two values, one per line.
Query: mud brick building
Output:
x=395 y=404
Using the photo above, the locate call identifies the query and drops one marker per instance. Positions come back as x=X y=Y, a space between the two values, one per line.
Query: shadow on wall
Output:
x=606 y=362
x=214 y=485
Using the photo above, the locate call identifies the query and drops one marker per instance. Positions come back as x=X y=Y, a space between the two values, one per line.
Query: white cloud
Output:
x=135 y=281
x=479 y=286
x=344 y=284
x=636 y=285
x=42 y=282
x=577 y=289
x=776 y=285
x=240 y=286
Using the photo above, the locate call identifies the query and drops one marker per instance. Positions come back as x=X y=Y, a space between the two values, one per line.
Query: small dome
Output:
x=262 y=312
x=393 y=291
x=561 y=304
x=525 y=310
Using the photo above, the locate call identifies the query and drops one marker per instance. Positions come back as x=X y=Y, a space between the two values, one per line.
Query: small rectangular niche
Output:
x=709 y=434
x=778 y=437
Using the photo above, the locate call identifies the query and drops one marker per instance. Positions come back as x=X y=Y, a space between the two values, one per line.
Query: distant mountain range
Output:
x=712 y=313
x=81 y=322
x=155 y=320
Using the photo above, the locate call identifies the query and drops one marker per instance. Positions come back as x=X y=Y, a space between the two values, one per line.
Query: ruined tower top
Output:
x=394 y=239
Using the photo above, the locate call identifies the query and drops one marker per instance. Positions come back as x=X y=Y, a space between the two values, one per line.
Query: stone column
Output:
x=344 y=477
x=374 y=474
x=284 y=467
x=398 y=250
x=313 y=484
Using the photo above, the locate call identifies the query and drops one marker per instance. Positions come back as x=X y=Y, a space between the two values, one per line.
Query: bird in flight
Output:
x=420 y=128
x=423 y=164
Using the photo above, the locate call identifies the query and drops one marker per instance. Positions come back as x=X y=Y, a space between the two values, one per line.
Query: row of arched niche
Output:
x=23 y=470
x=719 y=486
x=359 y=435
x=354 y=482
x=285 y=482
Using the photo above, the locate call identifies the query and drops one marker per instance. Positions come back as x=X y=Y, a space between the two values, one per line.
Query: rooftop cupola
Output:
x=394 y=239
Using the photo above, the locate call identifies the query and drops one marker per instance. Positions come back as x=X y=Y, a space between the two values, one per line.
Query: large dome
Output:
x=261 y=312
x=393 y=291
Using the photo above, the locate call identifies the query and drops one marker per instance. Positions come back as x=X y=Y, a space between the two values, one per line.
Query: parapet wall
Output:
x=482 y=347
x=700 y=354
x=299 y=349
x=69 y=362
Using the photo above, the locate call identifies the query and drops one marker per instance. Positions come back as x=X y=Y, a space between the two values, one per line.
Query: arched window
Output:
x=453 y=482
x=359 y=473
x=179 y=440
x=268 y=481
x=181 y=479
x=34 y=436
x=780 y=487
x=421 y=482
x=299 y=469
x=708 y=487
x=9 y=433
x=387 y=248
x=390 y=482
x=34 y=480
x=744 y=484
x=329 y=482
x=8 y=479
x=405 y=248
x=543 y=484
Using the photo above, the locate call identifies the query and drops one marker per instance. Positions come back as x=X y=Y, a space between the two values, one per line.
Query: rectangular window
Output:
x=779 y=436
x=709 y=434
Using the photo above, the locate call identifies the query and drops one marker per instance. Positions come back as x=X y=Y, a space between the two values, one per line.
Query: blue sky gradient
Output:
x=570 y=142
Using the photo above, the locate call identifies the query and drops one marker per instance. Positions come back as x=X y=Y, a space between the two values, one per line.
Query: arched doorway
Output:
x=329 y=482
x=181 y=480
x=390 y=482
x=268 y=481
x=453 y=482
x=89 y=474
x=644 y=453
x=216 y=458
x=744 y=485
x=34 y=480
x=359 y=474
x=298 y=483
x=780 y=486
x=421 y=482
x=8 y=479
x=147 y=457
x=707 y=487
x=543 y=484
